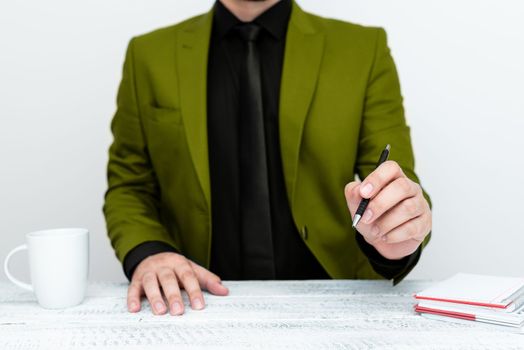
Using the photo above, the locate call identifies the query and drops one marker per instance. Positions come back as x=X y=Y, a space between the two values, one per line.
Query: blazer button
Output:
x=303 y=232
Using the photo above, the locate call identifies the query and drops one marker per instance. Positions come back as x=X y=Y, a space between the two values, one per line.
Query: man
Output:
x=236 y=139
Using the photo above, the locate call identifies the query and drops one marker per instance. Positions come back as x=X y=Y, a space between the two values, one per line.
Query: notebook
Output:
x=479 y=290
x=474 y=313
x=489 y=299
x=488 y=326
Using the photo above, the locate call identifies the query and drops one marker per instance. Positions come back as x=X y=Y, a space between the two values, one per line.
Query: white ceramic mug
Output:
x=58 y=264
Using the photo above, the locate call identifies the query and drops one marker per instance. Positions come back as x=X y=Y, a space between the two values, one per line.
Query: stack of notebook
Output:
x=489 y=299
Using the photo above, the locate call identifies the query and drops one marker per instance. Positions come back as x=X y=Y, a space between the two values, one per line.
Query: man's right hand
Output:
x=164 y=274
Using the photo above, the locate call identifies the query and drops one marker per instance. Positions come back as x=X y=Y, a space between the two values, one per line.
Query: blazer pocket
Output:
x=164 y=115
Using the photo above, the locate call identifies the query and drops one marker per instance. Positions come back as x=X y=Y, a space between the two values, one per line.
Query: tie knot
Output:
x=249 y=31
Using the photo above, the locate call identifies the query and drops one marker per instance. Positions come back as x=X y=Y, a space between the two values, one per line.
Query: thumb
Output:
x=352 y=193
x=209 y=281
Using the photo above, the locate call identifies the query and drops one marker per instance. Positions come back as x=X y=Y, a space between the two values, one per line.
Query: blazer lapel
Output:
x=192 y=54
x=302 y=58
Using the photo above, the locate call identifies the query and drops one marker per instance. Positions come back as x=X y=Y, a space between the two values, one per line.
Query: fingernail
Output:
x=366 y=190
x=159 y=307
x=375 y=231
x=176 y=308
x=132 y=305
x=198 y=303
x=368 y=214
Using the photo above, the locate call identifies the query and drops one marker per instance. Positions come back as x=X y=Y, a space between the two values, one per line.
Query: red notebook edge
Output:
x=499 y=306
x=460 y=315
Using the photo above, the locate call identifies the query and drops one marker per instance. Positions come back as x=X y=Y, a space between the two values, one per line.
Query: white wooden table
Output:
x=268 y=315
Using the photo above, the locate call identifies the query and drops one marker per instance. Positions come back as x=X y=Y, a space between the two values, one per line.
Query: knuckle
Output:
x=377 y=205
x=373 y=239
x=178 y=260
x=396 y=167
x=412 y=229
x=396 y=237
x=165 y=275
x=369 y=239
x=171 y=290
x=393 y=168
x=405 y=185
x=383 y=225
x=379 y=177
x=134 y=286
x=194 y=293
x=162 y=258
x=148 y=277
x=389 y=164
x=165 y=259
x=186 y=275
x=211 y=277
x=410 y=206
x=194 y=266
x=176 y=257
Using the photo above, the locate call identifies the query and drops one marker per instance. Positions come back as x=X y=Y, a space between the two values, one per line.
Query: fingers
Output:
x=165 y=274
x=134 y=292
x=405 y=211
x=171 y=290
x=390 y=196
x=152 y=291
x=209 y=280
x=353 y=198
x=397 y=218
x=380 y=178
x=415 y=229
x=188 y=279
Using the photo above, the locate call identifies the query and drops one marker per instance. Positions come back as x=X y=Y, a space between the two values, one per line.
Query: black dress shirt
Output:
x=293 y=260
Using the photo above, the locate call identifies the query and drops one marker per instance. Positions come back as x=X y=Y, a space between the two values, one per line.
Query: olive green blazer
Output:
x=340 y=104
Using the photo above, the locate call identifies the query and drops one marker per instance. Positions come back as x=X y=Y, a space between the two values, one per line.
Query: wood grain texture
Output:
x=257 y=315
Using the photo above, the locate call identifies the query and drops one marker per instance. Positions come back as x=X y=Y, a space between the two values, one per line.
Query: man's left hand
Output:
x=397 y=218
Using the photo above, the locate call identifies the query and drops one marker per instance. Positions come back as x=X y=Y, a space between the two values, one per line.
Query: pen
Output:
x=364 y=202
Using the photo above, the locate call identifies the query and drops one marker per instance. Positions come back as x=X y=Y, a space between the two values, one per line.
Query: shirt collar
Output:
x=274 y=20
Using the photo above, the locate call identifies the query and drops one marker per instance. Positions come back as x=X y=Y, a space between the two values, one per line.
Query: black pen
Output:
x=364 y=202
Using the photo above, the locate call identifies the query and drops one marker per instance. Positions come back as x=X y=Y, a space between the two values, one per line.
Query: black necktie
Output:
x=255 y=215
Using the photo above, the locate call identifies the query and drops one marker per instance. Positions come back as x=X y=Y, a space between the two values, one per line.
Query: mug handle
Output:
x=6 y=268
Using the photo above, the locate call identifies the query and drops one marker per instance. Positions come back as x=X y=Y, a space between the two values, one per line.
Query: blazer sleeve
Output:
x=132 y=200
x=383 y=122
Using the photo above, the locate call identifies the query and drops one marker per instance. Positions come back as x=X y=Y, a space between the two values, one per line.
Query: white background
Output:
x=462 y=74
